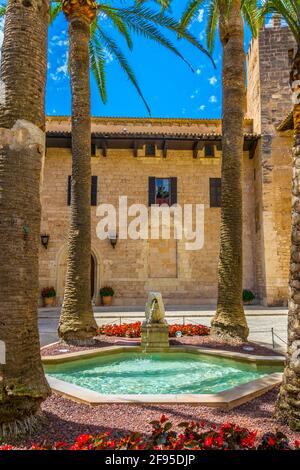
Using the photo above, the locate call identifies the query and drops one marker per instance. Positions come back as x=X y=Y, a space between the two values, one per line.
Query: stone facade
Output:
x=269 y=102
x=134 y=267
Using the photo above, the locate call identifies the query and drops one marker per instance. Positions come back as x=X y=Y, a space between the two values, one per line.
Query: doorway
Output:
x=93 y=276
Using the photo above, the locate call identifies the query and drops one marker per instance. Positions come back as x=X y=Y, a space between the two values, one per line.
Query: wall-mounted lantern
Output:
x=113 y=238
x=45 y=240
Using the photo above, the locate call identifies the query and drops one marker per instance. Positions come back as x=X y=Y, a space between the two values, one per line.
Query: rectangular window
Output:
x=215 y=192
x=150 y=150
x=162 y=191
x=209 y=151
x=94 y=189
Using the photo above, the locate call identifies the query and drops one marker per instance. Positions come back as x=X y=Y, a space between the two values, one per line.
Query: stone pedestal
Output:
x=154 y=335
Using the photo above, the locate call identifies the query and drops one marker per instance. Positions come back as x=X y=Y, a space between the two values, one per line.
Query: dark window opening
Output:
x=291 y=56
x=215 y=192
x=93 y=150
x=209 y=150
x=150 y=150
x=94 y=189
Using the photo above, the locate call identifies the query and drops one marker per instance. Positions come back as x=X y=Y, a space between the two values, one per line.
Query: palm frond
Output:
x=165 y=4
x=55 y=10
x=98 y=61
x=2 y=10
x=118 y=22
x=212 y=24
x=190 y=12
x=249 y=11
x=113 y=48
x=142 y=14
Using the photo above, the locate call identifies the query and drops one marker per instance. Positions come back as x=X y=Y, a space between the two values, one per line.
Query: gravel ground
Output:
x=64 y=419
x=201 y=341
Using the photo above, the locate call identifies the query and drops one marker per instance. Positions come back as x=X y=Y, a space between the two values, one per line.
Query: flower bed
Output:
x=194 y=436
x=133 y=330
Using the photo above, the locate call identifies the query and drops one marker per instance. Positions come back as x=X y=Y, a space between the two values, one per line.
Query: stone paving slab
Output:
x=260 y=320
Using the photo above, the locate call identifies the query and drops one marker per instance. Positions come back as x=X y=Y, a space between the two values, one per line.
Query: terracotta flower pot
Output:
x=107 y=300
x=49 y=301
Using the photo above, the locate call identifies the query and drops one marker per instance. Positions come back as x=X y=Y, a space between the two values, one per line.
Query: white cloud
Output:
x=213 y=80
x=198 y=71
x=108 y=56
x=62 y=43
x=201 y=107
x=212 y=99
x=62 y=70
x=202 y=35
x=200 y=15
x=193 y=95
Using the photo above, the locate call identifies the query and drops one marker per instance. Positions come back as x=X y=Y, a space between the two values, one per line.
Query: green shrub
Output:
x=48 y=292
x=106 y=291
x=248 y=295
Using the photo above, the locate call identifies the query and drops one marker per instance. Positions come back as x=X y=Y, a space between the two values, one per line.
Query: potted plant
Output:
x=248 y=296
x=48 y=294
x=106 y=294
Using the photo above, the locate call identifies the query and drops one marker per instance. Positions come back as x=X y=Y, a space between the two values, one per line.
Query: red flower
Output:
x=83 y=439
x=271 y=441
x=6 y=447
x=163 y=419
x=60 y=444
x=219 y=441
x=208 y=441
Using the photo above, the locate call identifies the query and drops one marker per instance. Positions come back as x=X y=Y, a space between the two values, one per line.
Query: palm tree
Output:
x=229 y=320
x=22 y=146
x=288 y=403
x=88 y=42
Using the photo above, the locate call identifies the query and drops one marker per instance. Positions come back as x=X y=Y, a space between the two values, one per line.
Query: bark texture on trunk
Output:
x=288 y=403
x=22 y=146
x=77 y=323
x=229 y=320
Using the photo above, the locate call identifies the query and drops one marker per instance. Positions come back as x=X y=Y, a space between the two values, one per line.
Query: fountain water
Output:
x=155 y=330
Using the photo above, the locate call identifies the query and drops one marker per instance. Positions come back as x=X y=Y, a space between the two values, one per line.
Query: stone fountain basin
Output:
x=229 y=398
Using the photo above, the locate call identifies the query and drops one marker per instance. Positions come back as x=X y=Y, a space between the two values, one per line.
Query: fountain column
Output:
x=155 y=329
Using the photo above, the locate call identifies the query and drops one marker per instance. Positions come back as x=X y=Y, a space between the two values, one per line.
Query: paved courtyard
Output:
x=260 y=319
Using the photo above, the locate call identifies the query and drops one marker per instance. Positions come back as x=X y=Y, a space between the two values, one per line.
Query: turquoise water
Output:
x=158 y=373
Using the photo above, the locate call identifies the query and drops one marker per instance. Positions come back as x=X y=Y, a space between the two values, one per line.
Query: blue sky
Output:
x=168 y=85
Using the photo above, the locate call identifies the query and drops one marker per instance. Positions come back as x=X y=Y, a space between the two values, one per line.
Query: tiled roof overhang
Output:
x=164 y=141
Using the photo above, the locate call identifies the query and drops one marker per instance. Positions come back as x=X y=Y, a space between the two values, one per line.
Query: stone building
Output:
x=136 y=158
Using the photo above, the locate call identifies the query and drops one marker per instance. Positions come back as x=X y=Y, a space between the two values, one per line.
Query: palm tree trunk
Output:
x=22 y=146
x=288 y=403
x=229 y=320
x=77 y=323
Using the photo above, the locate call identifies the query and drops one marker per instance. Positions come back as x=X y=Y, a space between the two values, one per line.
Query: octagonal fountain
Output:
x=158 y=373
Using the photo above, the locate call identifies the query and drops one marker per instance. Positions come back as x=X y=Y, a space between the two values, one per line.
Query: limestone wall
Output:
x=136 y=266
x=269 y=102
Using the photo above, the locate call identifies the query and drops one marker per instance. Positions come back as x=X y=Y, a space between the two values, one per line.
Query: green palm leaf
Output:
x=113 y=48
x=214 y=8
x=55 y=9
x=98 y=61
